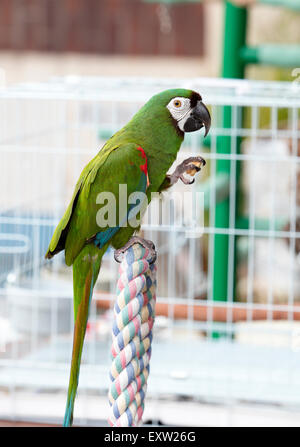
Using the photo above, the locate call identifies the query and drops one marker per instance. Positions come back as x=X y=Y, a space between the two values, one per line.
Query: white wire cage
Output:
x=243 y=346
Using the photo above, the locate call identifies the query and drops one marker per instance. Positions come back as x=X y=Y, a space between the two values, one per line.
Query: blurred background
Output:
x=227 y=333
x=39 y=39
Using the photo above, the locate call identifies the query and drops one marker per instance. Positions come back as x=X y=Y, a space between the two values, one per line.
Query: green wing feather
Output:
x=111 y=167
x=57 y=242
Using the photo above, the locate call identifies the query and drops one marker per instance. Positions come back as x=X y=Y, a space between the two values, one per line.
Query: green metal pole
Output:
x=290 y=4
x=233 y=67
x=234 y=40
x=275 y=55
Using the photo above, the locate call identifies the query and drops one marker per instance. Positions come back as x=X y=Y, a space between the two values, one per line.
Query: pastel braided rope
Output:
x=134 y=313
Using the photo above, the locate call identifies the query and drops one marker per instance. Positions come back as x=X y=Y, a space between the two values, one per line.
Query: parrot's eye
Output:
x=177 y=103
x=179 y=107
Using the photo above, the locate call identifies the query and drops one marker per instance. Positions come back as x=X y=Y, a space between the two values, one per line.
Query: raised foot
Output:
x=119 y=254
x=190 y=166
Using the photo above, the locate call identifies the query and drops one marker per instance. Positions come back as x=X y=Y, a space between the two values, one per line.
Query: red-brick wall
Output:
x=101 y=26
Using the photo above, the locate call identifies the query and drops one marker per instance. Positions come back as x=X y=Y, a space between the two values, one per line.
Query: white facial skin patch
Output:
x=180 y=109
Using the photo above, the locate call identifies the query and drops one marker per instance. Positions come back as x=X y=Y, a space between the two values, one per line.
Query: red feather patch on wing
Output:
x=144 y=167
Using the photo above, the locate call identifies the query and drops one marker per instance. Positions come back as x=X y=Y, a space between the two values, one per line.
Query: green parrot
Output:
x=138 y=156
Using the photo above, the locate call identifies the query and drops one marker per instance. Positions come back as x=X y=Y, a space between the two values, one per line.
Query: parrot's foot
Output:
x=119 y=254
x=189 y=166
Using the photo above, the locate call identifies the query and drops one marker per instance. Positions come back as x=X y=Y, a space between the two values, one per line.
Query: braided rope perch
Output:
x=134 y=313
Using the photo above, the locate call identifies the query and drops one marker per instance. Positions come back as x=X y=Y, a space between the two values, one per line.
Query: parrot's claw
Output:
x=119 y=254
x=190 y=166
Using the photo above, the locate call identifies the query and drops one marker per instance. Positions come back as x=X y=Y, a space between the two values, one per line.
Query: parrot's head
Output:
x=183 y=108
x=188 y=111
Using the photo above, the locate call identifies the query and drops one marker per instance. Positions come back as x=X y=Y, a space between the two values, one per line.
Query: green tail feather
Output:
x=85 y=272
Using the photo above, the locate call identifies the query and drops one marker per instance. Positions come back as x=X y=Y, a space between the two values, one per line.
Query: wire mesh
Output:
x=48 y=133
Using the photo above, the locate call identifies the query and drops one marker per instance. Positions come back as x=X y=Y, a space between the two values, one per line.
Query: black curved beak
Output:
x=199 y=117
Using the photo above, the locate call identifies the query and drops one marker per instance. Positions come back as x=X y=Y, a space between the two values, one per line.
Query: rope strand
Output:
x=134 y=313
